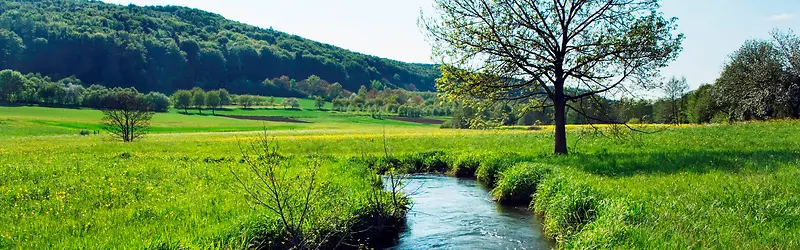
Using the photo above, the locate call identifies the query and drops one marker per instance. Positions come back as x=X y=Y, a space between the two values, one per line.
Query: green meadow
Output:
x=707 y=186
x=36 y=121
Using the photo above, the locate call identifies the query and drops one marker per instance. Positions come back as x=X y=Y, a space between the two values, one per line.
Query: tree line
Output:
x=166 y=48
x=760 y=81
x=16 y=88
x=377 y=99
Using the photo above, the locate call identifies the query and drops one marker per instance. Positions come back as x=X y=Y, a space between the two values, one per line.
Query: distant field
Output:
x=32 y=121
x=705 y=186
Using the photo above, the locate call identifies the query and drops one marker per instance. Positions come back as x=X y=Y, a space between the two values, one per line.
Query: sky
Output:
x=388 y=28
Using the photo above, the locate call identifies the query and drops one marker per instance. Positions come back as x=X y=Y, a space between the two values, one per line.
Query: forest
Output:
x=165 y=48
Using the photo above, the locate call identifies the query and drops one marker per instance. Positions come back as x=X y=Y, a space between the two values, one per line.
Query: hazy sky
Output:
x=388 y=28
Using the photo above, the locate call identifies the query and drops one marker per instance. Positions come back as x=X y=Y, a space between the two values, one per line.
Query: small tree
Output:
x=294 y=103
x=675 y=88
x=245 y=101
x=271 y=101
x=126 y=115
x=198 y=99
x=224 y=97
x=213 y=100
x=157 y=102
x=182 y=99
x=319 y=102
x=286 y=103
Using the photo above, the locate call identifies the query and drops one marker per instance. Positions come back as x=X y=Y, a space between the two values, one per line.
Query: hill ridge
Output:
x=164 y=48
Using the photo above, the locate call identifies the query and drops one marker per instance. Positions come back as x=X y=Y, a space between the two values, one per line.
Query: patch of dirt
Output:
x=417 y=120
x=265 y=118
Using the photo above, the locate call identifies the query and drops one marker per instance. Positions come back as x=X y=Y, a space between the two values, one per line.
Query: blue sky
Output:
x=713 y=28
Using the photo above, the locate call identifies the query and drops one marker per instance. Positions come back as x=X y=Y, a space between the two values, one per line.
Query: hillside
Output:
x=164 y=48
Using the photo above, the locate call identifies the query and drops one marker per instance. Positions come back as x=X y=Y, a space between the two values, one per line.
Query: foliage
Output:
x=757 y=84
x=165 y=48
x=290 y=103
x=701 y=107
x=157 y=102
x=11 y=84
x=213 y=100
x=319 y=102
x=675 y=88
x=182 y=100
x=126 y=115
x=198 y=98
x=548 y=53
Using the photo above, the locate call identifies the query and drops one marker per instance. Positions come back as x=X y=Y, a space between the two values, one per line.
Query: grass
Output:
x=717 y=186
x=32 y=121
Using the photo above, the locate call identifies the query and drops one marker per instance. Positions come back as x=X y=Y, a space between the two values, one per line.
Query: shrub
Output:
x=517 y=184
x=489 y=169
x=384 y=164
x=84 y=132
x=635 y=121
x=720 y=118
x=446 y=124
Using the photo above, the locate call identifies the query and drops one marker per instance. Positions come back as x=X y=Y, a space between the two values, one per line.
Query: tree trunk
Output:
x=559 y=103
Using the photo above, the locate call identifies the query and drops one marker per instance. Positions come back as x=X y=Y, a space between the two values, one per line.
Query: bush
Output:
x=634 y=121
x=84 y=132
x=720 y=118
x=517 y=184
x=446 y=124
x=466 y=165
x=490 y=168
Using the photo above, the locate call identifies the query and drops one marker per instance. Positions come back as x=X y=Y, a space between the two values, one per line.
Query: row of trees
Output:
x=402 y=102
x=567 y=55
x=165 y=48
x=16 y=88
x=760 y=81
x=199 y=99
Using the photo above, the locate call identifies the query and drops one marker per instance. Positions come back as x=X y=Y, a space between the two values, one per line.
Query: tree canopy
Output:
x=551 y=53
x=165 y=48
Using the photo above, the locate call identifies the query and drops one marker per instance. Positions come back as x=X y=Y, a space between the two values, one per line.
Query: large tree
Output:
x=756 y=83
x=11 y=84
x=553 y=53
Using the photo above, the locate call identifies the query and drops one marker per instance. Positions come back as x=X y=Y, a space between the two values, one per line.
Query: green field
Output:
x=35 y=121
x=716 y=186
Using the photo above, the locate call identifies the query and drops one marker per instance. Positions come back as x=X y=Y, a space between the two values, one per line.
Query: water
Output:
x=451 y=213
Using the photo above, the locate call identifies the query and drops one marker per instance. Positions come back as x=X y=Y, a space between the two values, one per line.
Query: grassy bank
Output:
x=731 y=186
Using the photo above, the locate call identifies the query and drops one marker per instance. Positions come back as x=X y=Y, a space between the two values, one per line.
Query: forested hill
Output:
x=164 y=48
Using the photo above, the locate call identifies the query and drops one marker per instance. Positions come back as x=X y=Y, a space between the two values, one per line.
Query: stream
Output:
x=452 y=213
